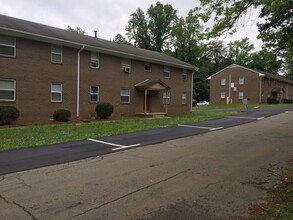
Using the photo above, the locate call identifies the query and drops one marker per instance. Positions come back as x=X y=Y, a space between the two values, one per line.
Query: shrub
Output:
x=62 y=115
x=8 y=114
x=272 y=100
x=104 y=110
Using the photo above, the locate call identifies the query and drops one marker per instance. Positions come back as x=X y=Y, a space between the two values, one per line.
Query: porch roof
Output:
x=154 y=85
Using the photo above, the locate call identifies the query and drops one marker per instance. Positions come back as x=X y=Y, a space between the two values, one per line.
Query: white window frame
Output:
x=125 y=65
x=167 y=72
x=9 y=45
x=124 y=95
x=223 y=95
x=241 y=80
x=56 y=92
x=97 y=94
x=9 y=90
x=240 y=95
x=184 y=75
x=95 y=60
x=223 y=81
x=56 y=53
x=148 y=65
x=166 y=98
x=184 y=98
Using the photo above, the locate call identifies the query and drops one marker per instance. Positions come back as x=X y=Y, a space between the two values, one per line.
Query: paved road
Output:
x=25 y=159
x=209 y=176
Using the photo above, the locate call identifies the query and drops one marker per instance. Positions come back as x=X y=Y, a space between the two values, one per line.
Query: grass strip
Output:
x=38 y=135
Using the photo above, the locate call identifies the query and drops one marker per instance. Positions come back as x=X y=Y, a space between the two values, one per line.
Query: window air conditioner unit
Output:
x=126 y=70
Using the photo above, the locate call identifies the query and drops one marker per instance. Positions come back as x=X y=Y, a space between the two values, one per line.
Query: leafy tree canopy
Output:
x=77 y=30
x=276 y=27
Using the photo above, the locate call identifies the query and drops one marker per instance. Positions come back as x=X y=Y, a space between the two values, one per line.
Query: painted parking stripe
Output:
x=119 y=146
x=207 y=128
x=248 y=118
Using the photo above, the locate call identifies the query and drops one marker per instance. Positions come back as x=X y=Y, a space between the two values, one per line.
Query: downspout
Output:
x=260 y=87
x=191 y=95
x=78 y=81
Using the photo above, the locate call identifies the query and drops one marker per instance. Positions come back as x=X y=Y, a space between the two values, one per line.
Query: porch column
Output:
x=145 y=100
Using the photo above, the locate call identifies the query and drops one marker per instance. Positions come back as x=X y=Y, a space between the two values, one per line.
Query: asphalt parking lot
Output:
x=25 y=159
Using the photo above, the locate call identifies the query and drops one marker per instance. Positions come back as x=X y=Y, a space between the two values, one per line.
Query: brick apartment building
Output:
x=43 y=69
x=235 y=83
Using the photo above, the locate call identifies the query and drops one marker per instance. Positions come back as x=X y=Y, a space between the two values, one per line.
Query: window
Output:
x=94 y=93
x=167 y=72
x=223 y=82
x=148 y=67
x=7 y=46
x=183 y=98
x=125 y=95
x=184 y=75
x=126 y=65
x=56 y=54
x=241 y=80
x=56 y=92
x=223 y=95
x=240 y=95
x=95 y=60
x=166 y=98
x=7 y=90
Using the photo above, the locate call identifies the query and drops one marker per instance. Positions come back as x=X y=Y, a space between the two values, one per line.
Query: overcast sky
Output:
x=108 y=17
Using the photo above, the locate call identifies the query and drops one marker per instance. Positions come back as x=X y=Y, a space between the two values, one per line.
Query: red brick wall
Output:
x=251 y=87
x=33 y=71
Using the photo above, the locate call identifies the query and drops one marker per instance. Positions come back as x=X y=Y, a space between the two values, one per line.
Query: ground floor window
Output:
x=125 y=95
x=7 y=90
x=240 y=95
x=223 y=95
x=183 y=98
x=56 y=92
x=166 y=98
x=94 y=92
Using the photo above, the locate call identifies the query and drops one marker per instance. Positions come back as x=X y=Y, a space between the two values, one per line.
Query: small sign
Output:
x=232 y=85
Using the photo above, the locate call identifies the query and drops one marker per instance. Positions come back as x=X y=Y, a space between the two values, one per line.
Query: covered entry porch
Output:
x=152 y=92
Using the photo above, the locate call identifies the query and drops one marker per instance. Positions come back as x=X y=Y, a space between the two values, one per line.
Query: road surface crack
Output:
x=130 y=193
x=18 y=205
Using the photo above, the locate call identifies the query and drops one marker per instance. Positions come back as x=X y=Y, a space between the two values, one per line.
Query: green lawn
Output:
x=30 y=136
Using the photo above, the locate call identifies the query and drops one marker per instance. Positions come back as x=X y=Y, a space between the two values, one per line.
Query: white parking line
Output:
x=248 y=118
x=119 y=146
x=207 y=128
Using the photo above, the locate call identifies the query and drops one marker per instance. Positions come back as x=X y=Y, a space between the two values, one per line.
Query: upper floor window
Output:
x=7 y=46
x=94 y=93
x=7 y=90
x=56 y=92
x=223 y=82
x=148 y=67
x=166 y=98
x=184 y=75
x=241 y=80
x=56 y=54
x=183 y=98
x=94 y=60
x=125 y=95
x=126 y=65
x=167 y=72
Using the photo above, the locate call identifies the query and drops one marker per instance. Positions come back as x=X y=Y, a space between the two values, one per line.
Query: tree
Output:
x=215 y=52
x=276 y=27
x=120 y=39
x=153 y=29
x=162 y=19
x=240 y=51
x=77 y=30
x=265 y=60
x=137 y=30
